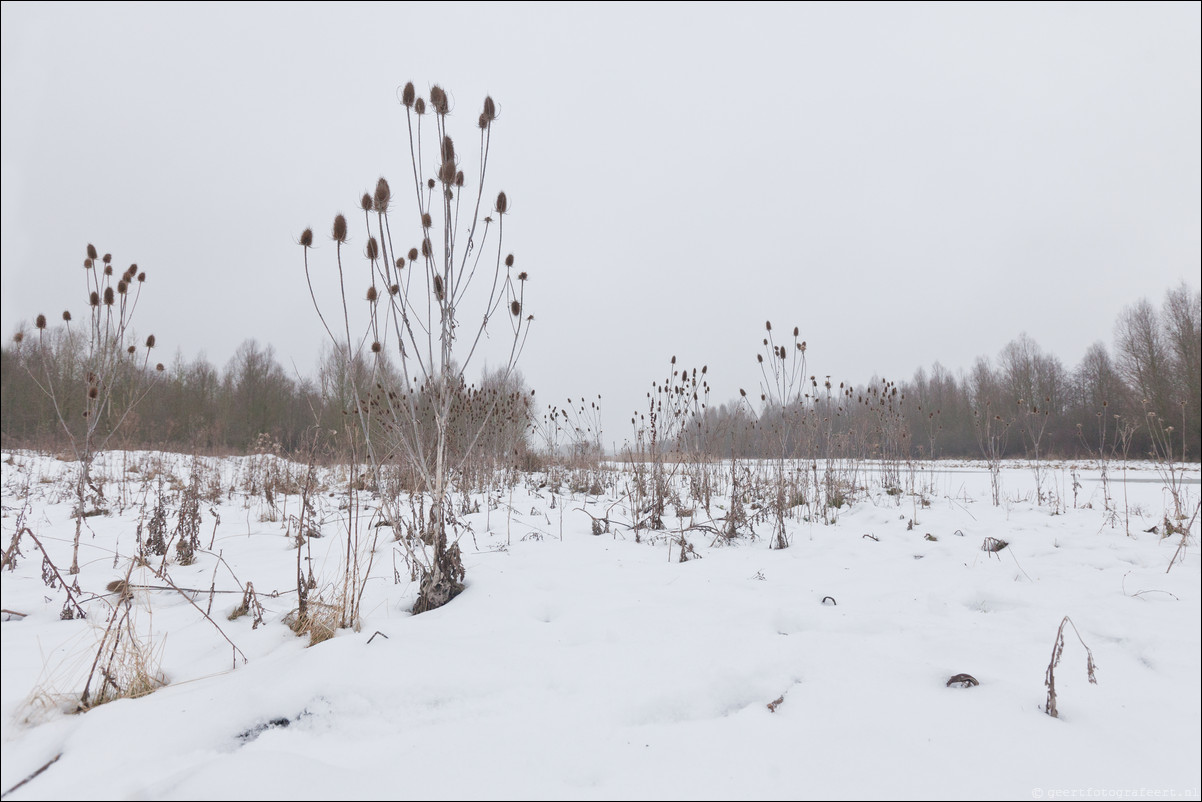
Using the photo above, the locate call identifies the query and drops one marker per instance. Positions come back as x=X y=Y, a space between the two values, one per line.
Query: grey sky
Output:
x=906 y=183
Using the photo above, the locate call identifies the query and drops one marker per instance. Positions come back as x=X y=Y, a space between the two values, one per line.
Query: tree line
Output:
x=1023 y=402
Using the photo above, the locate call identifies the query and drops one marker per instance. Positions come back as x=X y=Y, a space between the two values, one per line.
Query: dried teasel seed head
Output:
x=159 y=367
x=459 y=178
x=87 y=264
x=19 y=336
x=383 y=195
x=516 y=308
x=40 y=322
x=483 y=121
x=438 y=288
x=490 y=108
x=768 y=325
x=150 y=341
x=93 y=391
x=509 y=260
x=66 y=316
x=438 y=99
x=447 y=150
x=372 y=251
x=427 y=220
x=122 y=286
x=142 y=276
x=759 y=358
x=796 y=331
x=413 y=254
x=522 y=276
x=419 y=106
x=371 y=294
x=394 y=289
x=446 y=173
x=408 y=94
x=502 y=203
x=131 y=350
x=92 y=252
x=94 y=298
x=108 y=257
x=339 y=233
x=108 y=270
x=365 y=202
x=430 y=183
x=376 y=347
x=449 y=194
x=108 y=296
x=427 y=248
x=306 y=238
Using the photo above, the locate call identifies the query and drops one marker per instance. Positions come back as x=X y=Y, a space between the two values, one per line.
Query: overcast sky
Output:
x=906 y=183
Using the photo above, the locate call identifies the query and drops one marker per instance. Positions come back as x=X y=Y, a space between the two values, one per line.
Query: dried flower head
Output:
x=142 y=276
x=306 y=238
x=430 y=183
x=87 y=264
x=66 y=316
x=159 y=367
x=408 y=94
x=394 y=289
x=94 y=298
x=122 y=286
x=446 y=173
x=509 y=260
x=427 y=248
x=372 y=251
x=107 y=258
x=502 y=203
x=339 y=232
x=365 y=202
x=92 y=252
x=19 y=336
x=439 y=292
x=459 y=178
x=93 y=391
x=427 y=220
x=371 y=294
x=490 y=108
x=108 y=296
x=40 y=322
x=376 y=347
x=131 y=350
x=516 y=308
x=522 y=276
x=447 y=150
x=150 y=341
x=383 y=195
x=419 y=106
x=108 y=270
x=438 y=99
x=413 y=254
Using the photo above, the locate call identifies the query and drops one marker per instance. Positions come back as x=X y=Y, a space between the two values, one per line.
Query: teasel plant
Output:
x=430 y=307
x=94 y=373
x=782 y=389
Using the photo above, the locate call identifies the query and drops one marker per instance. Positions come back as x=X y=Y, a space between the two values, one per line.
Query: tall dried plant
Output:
x=428 y=309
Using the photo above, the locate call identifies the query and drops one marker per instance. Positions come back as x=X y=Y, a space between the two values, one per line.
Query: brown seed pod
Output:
x=108 y=296
x=413 y=254
x=394 y=289
x=339 y=232
x=383 y=195
x=795 y=331
x=306 y=238
x=66 y=316
x=107 y=258
x=427 y=220
x=439 y=293
x=159 y=367
x=522 y=276
x=121 y=287
x=446 y=173
x=448 y=149
x=93 y=391
x=365 y=202
x=459 y=178
x=131 y=350
x=516 y=308
x=483 y=121
x=372 y=251
x=108 y=270
x=150 y=341
x=419 y=106
x=768 y=325
x=19 y=336
x=427 y=248
x=94 y=298
x=142 y=276
x=87 y=264
x=490 y=108
x=92 y=251
x=509 y=260
x=438 y=99
x=502 y=203
x=40 y=322
x=430 y=183
x=376 y=347
x=408 y=94
x=371 y=294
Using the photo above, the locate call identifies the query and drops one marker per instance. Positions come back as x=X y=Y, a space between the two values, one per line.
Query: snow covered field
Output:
x=590 y=666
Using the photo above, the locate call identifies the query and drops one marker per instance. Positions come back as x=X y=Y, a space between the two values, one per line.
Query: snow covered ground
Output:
x=589 y=666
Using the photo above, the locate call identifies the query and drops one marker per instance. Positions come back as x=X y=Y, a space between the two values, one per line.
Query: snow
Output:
x=579 y=666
